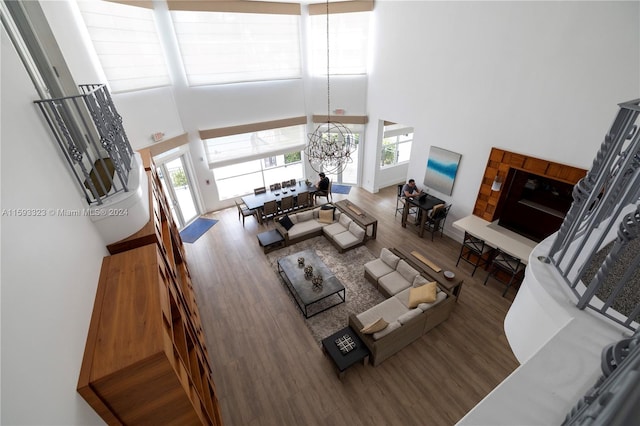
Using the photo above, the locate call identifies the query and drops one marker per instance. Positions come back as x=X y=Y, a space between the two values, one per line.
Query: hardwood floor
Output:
x=268 y=370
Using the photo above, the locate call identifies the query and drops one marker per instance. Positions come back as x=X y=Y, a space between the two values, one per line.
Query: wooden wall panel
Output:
x=501 y=161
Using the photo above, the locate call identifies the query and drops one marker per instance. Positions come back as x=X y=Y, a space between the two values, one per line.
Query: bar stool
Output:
x=474 y=251
x=507 y=265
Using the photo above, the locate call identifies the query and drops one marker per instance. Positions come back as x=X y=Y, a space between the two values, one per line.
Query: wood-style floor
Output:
x=268 y=370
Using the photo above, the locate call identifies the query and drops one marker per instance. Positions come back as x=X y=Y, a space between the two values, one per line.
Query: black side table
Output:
x=344 y=361
x=270 y=240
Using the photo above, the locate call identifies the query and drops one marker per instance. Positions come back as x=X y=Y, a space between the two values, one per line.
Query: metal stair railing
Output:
x=89 y=133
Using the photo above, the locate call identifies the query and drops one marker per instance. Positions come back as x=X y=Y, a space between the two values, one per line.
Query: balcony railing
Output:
x=613 y=399
x=600 y=267
x=89 y=132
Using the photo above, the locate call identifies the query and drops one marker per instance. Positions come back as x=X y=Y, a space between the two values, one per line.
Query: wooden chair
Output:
x=275 y=186
x=286 y=184
x=474 y=251
x=244 y=211
x=293 y=182
x=269 y=210
x=436 y=219
x=326 y=194
x=260 y=190
x=304 y=200
x=506 y=269
x=286 y=204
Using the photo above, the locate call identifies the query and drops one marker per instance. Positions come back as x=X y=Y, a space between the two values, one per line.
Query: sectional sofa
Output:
x=338 y=228
x=406 y=317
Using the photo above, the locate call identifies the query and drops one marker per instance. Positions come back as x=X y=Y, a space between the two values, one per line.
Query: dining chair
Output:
x=293 y=182
x=286 y=204
x=325 y=194
x=401 y=202
x=260 y=190
x=474 y=251
x=507 y=269
x=303 y=200
x=286 y=183
x=244 y=211
x=269 y=210
x=275 y=186
x=436 y=219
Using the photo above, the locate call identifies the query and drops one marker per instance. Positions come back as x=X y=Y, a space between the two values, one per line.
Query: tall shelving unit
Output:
x=145 y=360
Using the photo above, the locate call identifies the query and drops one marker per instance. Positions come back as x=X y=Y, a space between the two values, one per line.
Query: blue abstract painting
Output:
x=442 y=167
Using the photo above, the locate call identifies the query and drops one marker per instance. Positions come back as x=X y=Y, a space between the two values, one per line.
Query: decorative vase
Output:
x=301 y=261
x=308 y=271
x=317 y=282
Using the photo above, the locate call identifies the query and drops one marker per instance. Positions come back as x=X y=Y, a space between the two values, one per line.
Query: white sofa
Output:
x=390 y=274
x=405 y=324
x=340 y=230
x=396 y=279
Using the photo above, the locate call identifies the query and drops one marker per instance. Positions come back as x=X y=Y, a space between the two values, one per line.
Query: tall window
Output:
x=224 y=47
x=126 y=41
x=396 y=145
x=244 y=161
x=241 y=178
x=231 y=149
x=348 y=35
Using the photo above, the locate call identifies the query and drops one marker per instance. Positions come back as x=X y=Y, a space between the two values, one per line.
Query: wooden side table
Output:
x=344 y=361
x=437 y=274
x=358 y=216
x=270 y=240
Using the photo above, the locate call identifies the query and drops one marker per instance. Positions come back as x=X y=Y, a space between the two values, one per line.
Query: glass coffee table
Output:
x=325 y=296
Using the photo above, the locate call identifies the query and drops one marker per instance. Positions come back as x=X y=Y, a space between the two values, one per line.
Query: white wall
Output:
x=50 y=266
x=539 y=78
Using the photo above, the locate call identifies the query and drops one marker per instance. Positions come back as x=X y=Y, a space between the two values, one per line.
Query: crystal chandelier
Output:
x=332 y=143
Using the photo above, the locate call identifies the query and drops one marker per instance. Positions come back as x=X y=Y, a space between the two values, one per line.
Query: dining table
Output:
x=424 y=204
x=256 y=201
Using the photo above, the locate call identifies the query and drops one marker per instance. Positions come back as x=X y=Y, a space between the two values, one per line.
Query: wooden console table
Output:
x=433 y=271
x=359 y=216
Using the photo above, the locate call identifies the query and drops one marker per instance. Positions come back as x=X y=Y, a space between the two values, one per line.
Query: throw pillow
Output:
x=326 y=216
x=286 y=222
x=423 y=294
x=435 y=209
x=419 y=281
x=374 y=327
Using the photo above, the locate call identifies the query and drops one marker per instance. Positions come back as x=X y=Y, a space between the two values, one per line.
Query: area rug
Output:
x=348 y=268
x=340 y=189
x=196 y=230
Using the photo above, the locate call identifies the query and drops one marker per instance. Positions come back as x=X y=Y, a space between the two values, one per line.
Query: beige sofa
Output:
x=340 y=230
x=395 y=278
x=390 y=274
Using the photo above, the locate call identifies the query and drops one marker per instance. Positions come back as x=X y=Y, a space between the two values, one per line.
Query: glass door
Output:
x=176 y=182
x=350 y=174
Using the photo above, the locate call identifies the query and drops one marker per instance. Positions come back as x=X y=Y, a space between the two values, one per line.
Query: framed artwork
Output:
x=442 y=167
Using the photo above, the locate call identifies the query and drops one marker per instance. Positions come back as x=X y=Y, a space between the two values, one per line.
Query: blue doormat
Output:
x=340 y=189
x=197 y=229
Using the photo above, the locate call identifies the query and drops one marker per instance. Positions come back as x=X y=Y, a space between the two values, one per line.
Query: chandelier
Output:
x=332 y=143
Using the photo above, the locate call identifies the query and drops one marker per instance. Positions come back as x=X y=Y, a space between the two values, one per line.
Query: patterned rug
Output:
x=348 y=268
